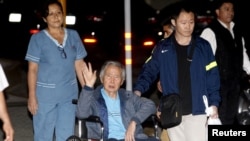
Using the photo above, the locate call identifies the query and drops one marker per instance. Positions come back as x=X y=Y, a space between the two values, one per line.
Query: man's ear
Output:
x=217 y=12
x=122 y=82
x=173 y=22
x=101 y=79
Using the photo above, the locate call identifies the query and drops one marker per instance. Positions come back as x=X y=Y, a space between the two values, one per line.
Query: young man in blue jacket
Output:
x=189 y=76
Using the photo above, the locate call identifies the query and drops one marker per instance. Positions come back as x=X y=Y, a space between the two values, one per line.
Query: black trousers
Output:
x=228 y=109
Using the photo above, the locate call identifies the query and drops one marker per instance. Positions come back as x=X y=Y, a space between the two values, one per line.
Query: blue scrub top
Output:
x=56 y=78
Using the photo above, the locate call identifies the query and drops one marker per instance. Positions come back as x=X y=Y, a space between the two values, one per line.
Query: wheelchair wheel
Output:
x=243 y=116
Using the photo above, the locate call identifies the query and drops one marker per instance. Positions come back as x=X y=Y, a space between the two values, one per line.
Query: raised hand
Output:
x=89 y=75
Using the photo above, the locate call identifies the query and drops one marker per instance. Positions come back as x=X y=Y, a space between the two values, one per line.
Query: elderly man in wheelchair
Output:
x=120 y=111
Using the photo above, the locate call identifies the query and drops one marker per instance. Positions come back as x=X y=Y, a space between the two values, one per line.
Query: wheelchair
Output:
x=243 y=116
x=82 y=127
x=81 y=130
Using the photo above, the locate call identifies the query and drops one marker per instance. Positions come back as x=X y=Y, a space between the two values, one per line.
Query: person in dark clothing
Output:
x=227 y=43
x=167 y=27
x=190 y=77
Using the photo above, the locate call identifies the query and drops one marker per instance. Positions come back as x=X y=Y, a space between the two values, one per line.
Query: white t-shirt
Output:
x=3 y=80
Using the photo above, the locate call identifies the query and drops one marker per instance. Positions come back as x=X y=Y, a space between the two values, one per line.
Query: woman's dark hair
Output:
x=45 y=8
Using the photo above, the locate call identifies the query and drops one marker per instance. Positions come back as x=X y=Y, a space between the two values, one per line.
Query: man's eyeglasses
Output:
x=63 y=53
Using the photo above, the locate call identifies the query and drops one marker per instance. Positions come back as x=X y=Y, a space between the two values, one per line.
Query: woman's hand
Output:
x=32 y=105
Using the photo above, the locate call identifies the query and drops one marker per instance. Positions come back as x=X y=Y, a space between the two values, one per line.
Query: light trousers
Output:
x=192 y=128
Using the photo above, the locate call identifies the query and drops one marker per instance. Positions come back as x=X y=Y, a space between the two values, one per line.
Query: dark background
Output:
x=14 y=37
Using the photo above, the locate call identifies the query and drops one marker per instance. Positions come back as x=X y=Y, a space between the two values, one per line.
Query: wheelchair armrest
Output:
x=93 y=118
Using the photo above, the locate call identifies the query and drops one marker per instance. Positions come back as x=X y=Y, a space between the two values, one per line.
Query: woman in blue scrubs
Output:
x=55 y=58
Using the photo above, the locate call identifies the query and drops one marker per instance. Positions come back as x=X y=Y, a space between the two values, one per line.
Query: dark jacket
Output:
x=204 y=72
x=229 y=52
